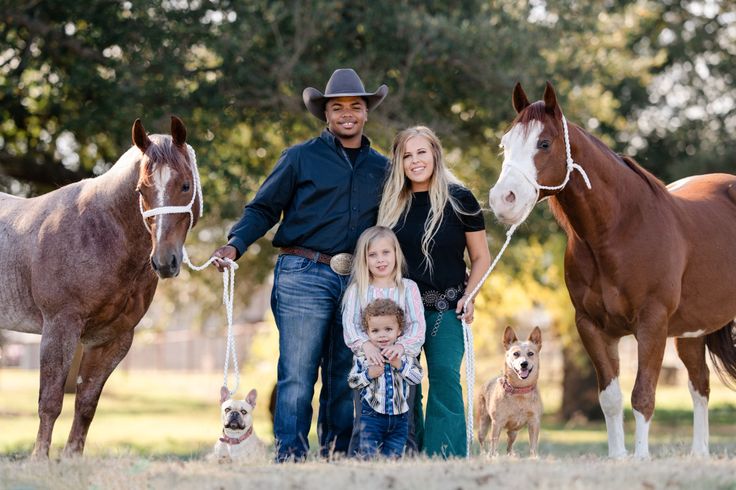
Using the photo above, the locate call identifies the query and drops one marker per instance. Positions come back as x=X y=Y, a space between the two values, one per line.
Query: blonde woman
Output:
x=436 y=220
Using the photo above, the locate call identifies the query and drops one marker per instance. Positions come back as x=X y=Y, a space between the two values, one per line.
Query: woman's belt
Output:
x=442 y=300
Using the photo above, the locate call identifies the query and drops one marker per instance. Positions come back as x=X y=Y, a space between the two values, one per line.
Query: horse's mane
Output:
x=162 y=150
x=654 y=183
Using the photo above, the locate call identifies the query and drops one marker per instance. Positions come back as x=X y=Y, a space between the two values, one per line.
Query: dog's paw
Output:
x=224 y=460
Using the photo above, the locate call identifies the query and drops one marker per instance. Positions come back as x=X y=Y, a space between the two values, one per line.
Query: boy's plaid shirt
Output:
x=386 y=394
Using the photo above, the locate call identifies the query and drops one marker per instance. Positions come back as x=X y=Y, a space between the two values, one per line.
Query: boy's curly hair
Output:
x=382 y=307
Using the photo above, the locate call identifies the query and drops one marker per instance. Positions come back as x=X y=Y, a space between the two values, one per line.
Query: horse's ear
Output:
x=178 y=131
x=550 y=100
x=519 y=99
x=140 y=138
x=536 y=337
x=509 y=337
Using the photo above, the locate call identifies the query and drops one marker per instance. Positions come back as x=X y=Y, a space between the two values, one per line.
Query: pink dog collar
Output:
x=236 y=440
x=512 y=390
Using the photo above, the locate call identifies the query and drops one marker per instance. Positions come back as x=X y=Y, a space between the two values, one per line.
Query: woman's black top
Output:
x=443 y=287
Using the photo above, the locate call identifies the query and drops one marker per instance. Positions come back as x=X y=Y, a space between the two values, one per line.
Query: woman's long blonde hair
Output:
x=361 y=276
x=397 y=194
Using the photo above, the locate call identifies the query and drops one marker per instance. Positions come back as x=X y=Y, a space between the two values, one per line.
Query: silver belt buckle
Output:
x=341 y=263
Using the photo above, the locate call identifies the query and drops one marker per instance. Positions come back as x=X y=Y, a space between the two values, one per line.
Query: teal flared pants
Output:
x=443 y=433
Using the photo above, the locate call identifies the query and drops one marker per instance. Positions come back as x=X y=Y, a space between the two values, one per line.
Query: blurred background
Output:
x=652 y=79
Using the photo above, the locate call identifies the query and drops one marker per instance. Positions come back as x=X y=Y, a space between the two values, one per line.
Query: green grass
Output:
x=165 y=414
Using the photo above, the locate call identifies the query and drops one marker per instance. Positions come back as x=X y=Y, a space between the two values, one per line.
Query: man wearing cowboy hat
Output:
x=328 y=190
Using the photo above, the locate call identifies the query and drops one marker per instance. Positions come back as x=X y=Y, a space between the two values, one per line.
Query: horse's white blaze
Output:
x=641 y=439
x=518 y=174
x=697 y=333
x=160 y=180
x=611 y=402
x=700 y=422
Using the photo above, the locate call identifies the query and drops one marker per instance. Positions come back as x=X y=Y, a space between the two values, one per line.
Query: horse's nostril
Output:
x=173 y=262
x=510 y=197
x=154 y=265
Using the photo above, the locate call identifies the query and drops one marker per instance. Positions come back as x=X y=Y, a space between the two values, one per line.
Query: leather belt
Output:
x=307 y=254
x=340 y=263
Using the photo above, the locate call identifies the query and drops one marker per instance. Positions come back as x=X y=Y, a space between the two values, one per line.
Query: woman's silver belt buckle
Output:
x=341 y=263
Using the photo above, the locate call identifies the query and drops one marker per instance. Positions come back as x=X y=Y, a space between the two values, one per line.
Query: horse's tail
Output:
x=722 y=350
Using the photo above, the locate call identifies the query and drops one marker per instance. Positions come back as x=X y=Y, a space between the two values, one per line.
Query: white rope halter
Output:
x=570 y=163
x=197 y=191
x=467 y=331
x=228 y=276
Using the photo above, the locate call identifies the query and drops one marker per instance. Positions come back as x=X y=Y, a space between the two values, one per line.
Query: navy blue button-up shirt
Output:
x=326 y=202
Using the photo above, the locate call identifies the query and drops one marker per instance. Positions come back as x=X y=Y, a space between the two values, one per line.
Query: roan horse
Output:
x=641 y=259
x=80 y=265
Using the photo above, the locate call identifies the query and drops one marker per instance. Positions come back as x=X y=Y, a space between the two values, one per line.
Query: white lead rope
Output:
x=467 y=331
x=228 y=297
x=468 y=338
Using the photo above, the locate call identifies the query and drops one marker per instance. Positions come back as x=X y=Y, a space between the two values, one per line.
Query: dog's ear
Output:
x=509 y=337
x=224 y=394
x=251 y=398
x=536 y=337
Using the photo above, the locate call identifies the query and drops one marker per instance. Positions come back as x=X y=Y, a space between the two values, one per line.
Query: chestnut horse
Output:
x=642 y=259
x=80 y=265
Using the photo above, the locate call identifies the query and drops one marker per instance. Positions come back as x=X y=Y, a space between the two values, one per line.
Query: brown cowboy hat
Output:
x=343 y=83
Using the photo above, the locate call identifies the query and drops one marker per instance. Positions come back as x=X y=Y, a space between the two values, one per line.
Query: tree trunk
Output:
x=579 y=385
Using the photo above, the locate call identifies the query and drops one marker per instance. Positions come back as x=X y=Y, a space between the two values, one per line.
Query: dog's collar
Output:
x=514 y=390
x=236 y=440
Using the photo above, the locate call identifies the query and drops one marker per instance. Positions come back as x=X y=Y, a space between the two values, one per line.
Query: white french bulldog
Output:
x=238 y=441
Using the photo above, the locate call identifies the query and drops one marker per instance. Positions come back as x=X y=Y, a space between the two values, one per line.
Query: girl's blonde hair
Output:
x=397 y=194
x=361 y=276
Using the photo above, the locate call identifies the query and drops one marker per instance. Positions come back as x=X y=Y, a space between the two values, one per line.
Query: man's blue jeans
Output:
x=306 y=303
x=387 y=433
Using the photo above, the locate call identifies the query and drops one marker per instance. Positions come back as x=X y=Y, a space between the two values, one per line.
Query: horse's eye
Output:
x=543 y=144
x=185 y=187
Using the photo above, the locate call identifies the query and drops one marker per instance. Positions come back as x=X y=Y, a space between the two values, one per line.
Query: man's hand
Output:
x=375 y=371
x=224 y=252
x=372 y=353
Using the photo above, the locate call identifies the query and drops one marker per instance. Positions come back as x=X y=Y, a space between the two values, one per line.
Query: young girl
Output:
x=377 y=273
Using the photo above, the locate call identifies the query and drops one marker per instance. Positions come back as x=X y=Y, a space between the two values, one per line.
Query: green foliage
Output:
x=650 y=78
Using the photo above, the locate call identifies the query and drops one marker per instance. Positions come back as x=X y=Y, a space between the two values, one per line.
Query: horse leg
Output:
x=58 y=342
x=603 y=351
x=692 y=353
x=98 y=362
x=651 y=340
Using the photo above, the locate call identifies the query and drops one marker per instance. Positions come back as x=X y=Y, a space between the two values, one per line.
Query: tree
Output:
x=73 y=78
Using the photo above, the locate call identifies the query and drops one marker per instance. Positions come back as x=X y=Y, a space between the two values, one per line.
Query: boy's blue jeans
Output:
x=384 y=433
x=305 y=301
